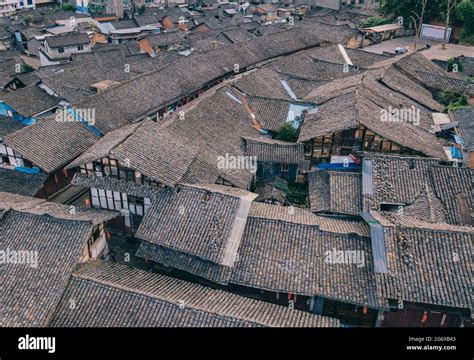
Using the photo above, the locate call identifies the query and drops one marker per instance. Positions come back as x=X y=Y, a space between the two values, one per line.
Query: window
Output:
x=285 y=167
x=138 y=177
x=95 y=198
x=117 y=201
x=147 y=203
x=359 y=133
x=136 y=205
x=395 y=147
x=97 y=169
x=95 y=236
x=61 y=50
x=375 y=145
x=103 y=199
x=80 y=47
x=110 y=199
x=386 y=145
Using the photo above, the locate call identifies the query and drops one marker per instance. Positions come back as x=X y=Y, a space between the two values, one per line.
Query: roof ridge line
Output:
x=192 y=304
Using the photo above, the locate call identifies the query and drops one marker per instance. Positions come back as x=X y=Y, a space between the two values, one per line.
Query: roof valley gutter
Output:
x=377 y=236
x=344 y=55
x=233 y=242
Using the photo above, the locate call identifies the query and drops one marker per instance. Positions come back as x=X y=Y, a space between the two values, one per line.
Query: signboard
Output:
x=434 y=32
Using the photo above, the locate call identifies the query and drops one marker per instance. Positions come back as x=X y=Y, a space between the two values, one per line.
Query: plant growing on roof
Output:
x=67 y=7
x=25 y=68
x=451 y=100
x=451 y=62
x=375 y=21
x=29 y=18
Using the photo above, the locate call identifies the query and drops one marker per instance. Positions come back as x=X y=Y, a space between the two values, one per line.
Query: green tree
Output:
x=25 y=68
x=451 y=62
x=405 y=8
x=465 y=13
x=95 y=9
x=287 y=132
x=29 y=18
x=67 y=7
x=447 y=96
x=375 y=21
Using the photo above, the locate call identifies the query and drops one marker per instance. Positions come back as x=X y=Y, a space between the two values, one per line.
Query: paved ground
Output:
x=122 y=250
x=406 y=41
x=451 y=51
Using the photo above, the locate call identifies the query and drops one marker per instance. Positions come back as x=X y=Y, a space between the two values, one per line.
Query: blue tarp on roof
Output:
x=33 y=170
x=338 y=166
x=455 y=152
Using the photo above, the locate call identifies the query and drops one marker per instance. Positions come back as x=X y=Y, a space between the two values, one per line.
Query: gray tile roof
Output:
x=189 y=147
x=112 y=184
x=332 y=53
x=443 y=82
x=428 y=263
x=333 y=89
x=9 y=125
x=21 y=183
x=29 y=301
x=141 y=299
x=465 y=117
x=301 y=85
x=124 y=24
x=73 y=83
x=335 y=191
x=141 y=95
x=430 y=75
x=303 y=64
x=238 y=35
x=51 y=144
x=289 y=256
x=305 y=217
x=104 y=145
x=334 y=115
x=157 y=153
x=166 y=39
x=67 y=40
x=59 y=211
x=269 y=191
x=29 y=78
x=396 y=80
x=264 y=82
x=30 y=100
x=454 y=189
x=290 y=264
x=215 y=124
x=210 y=219
x=363 y=105
x=435 y=192
x=8 y=68
x=330 y=33
x=273 y=151
x=270 y=113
